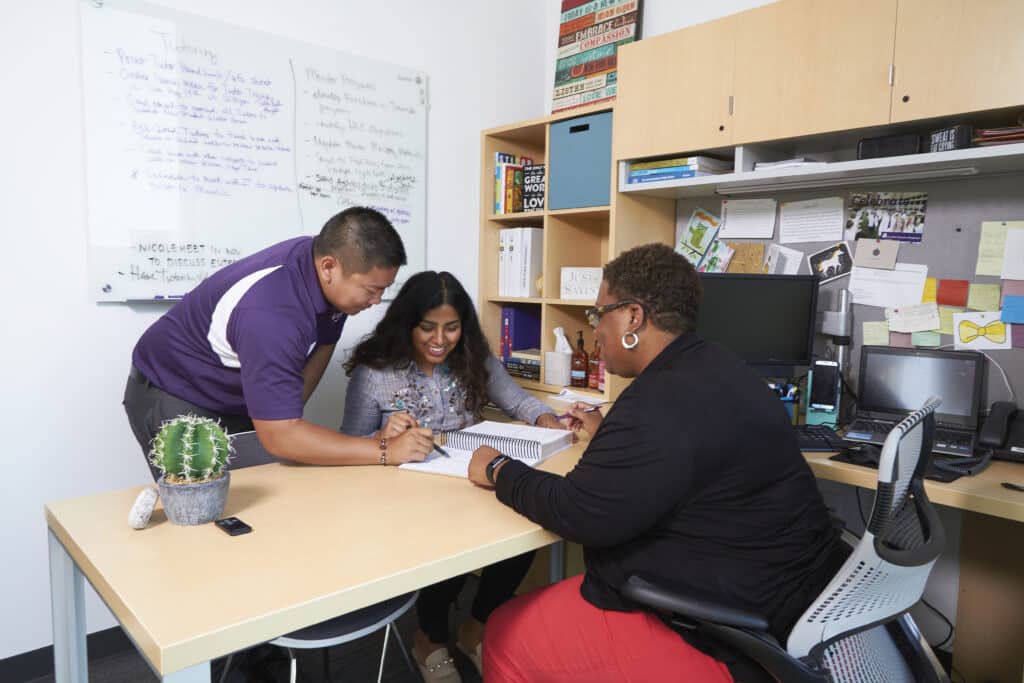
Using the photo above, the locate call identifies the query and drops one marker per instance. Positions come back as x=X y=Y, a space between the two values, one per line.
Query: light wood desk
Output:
x=990 y=607
x=325 y=541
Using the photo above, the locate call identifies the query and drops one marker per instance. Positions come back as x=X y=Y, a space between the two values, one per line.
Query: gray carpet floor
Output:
x=353 y=662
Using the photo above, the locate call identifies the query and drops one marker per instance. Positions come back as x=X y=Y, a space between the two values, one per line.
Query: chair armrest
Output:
x=660 y=597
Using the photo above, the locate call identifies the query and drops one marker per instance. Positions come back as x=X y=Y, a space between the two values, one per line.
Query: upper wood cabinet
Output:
x=955 y=56
x=674 y=92
x=806 y=66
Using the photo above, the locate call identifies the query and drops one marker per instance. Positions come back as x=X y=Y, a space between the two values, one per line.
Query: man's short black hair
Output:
x=362 y=239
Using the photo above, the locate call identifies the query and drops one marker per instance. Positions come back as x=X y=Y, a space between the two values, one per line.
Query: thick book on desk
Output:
x=526 y=443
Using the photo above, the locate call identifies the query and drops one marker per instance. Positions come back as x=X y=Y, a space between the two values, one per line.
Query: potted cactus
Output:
x=192 y=453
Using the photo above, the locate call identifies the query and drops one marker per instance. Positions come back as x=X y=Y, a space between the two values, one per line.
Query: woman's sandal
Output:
x=439 y=667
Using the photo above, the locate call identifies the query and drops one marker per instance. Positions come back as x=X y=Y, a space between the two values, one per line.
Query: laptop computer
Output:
x=895 y=381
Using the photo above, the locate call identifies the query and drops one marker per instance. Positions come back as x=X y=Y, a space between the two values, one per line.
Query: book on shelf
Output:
x=508 y=182
x=786 y=163
x=707 y=162
x=527 y=443
x=523 y=326
x=671 y=175
x=519 y=261
x=533 y=187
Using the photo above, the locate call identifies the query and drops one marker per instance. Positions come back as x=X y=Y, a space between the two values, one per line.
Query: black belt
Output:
x=136 y=376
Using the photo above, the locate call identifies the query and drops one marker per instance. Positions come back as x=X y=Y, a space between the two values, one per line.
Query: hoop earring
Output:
x=632 y=344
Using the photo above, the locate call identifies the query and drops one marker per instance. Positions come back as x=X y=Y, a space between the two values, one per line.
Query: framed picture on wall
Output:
x=589 y=35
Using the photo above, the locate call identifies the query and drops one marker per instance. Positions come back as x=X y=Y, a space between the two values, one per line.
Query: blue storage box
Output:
x=580 y=162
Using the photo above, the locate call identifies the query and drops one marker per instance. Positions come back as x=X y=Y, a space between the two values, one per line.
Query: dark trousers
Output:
x=498 y=583
x=148 y=406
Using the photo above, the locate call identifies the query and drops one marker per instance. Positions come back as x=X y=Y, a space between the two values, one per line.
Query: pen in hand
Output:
x=441 y=451
x=585 y=410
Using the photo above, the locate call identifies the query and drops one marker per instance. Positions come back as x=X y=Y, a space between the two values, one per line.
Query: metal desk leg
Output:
x=67 y=602
x=200 y=673
x=556 y=562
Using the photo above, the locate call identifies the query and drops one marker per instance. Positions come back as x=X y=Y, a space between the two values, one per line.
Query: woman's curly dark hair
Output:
x=664 y=282
x=390 y=344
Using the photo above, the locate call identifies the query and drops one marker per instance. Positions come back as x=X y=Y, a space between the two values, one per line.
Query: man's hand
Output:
x=412 y=445
x=478 y=466
x=397 y=424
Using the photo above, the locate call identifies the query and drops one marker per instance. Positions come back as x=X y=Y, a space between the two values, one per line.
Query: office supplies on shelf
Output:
x=526 y=443
x=818 y=438
x=893 y=382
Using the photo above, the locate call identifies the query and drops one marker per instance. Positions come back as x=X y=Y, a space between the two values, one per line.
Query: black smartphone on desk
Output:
x=233 y=526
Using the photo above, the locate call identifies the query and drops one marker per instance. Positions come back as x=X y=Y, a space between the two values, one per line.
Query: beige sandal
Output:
x=439 y=667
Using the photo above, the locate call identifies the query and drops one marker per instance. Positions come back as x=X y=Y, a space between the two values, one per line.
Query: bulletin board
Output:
x=207 y=142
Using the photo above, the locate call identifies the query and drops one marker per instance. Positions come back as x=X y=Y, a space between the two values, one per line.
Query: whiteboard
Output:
x=207 y=142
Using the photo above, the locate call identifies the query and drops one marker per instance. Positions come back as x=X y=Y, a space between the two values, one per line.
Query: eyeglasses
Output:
x=594 y=313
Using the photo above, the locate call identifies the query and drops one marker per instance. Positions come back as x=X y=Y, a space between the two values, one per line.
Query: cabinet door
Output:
x=807 y=66
x=956 y=56
x=674 y=92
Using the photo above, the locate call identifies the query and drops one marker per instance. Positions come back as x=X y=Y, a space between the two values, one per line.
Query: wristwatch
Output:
x=494 y=464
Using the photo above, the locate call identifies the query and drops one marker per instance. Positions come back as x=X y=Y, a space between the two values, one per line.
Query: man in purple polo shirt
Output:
x=250 y=343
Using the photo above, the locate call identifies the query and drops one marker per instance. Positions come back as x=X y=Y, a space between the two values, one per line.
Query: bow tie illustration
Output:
x=994 y=331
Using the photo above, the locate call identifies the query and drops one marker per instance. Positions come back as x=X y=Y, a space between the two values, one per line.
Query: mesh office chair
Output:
x=346 y=628
x=858 y=629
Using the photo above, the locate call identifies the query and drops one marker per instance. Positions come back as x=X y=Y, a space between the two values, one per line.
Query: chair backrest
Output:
x=886 y=572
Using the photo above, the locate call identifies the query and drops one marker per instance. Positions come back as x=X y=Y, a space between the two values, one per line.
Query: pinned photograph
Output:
x=831 y=263
x=886 y=215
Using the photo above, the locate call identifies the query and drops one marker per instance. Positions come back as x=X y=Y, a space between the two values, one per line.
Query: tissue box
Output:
x=580 y=283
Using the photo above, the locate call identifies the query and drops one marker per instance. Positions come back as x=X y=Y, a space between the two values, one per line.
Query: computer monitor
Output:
x=894 y=381
x=767 y=320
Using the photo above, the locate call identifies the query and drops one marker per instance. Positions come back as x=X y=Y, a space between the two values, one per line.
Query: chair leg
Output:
x=294 y=665
x=383 y=653
x=405 y=654
x=227 y=667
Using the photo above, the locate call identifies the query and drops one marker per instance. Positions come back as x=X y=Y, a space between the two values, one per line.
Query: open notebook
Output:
x=531 y=445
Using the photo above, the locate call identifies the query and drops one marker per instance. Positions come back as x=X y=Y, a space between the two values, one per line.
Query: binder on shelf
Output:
x=523 y=326
x=530 y=261
x=526 y=443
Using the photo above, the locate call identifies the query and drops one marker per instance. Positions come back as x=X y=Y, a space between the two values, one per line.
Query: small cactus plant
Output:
x=190 y=449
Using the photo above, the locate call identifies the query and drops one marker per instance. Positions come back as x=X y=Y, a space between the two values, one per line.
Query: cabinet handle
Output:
x=892 y=73
x=730 y=107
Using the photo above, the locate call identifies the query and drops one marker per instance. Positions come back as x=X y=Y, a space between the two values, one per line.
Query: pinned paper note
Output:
x=946 y=314
x=928 y=339
x=914 y=318
x=876 y=333
x=747 y=258
x=1012 y=288
x=931 y=286
x=830 y=263
x=876 y=253
x=980 y=330
x=952 y=292
x=812 y=220
x=1013 y=309
x=1017 y=334
x=1013 y=258
x=983 y=297
x=717 y=258
x=888 y=288
x=901 y=340
x=991 y=248
x=782 y=260
x=748 y=218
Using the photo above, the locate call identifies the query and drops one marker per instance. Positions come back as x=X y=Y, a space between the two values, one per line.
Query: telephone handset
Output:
x=997 y=425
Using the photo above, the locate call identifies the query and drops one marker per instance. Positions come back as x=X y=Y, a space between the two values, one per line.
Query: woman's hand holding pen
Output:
x=397 y=424
x=583 y=416
x=407 y=441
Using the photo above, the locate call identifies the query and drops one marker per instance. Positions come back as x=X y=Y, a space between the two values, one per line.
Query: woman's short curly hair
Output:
x=663 y=281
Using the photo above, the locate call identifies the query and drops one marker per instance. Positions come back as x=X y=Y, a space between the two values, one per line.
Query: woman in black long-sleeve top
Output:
x=694 y=476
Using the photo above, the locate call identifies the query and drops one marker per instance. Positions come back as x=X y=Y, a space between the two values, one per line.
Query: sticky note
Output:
x=876 y=333
x=901 y=339
x=983 y=297
x=946 y=318
x=991 y=248
x=931 y=286
x=1013 y=288
x=1017 y=335
x=1013 y=309
x=929 y=338
x=952 y=292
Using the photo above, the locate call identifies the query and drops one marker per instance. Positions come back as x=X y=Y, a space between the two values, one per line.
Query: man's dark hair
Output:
x=362 y=239
x=664 y=282
x=390 y=344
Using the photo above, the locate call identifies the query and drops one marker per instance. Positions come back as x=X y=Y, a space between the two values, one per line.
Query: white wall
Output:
x=66 y=357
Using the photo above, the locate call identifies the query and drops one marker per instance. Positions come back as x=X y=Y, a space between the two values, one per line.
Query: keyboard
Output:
x=946 y=442
x=818 y=438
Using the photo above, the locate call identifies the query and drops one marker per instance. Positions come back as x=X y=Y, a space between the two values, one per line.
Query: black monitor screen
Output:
x=764 y=319
x=897 y=381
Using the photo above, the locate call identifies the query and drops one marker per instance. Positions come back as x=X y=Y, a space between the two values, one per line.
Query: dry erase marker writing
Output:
x=585 y=410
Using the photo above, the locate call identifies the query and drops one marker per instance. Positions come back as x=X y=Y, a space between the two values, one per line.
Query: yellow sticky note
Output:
x=983 y=297
x=876 y=333
x=931 y=287
x=946 y=318
x=991 y=248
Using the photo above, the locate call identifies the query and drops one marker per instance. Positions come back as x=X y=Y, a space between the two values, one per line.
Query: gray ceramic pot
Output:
x=191 y=504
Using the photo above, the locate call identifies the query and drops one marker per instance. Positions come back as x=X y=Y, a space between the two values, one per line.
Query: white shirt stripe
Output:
x=218 y=335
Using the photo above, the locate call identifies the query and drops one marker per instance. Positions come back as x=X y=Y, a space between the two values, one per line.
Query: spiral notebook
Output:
x=526 y=443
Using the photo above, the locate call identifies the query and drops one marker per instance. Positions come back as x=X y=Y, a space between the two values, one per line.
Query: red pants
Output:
x=553 y=634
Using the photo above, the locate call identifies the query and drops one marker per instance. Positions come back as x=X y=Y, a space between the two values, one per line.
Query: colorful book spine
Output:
x=659 y=177
x=681 y=161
